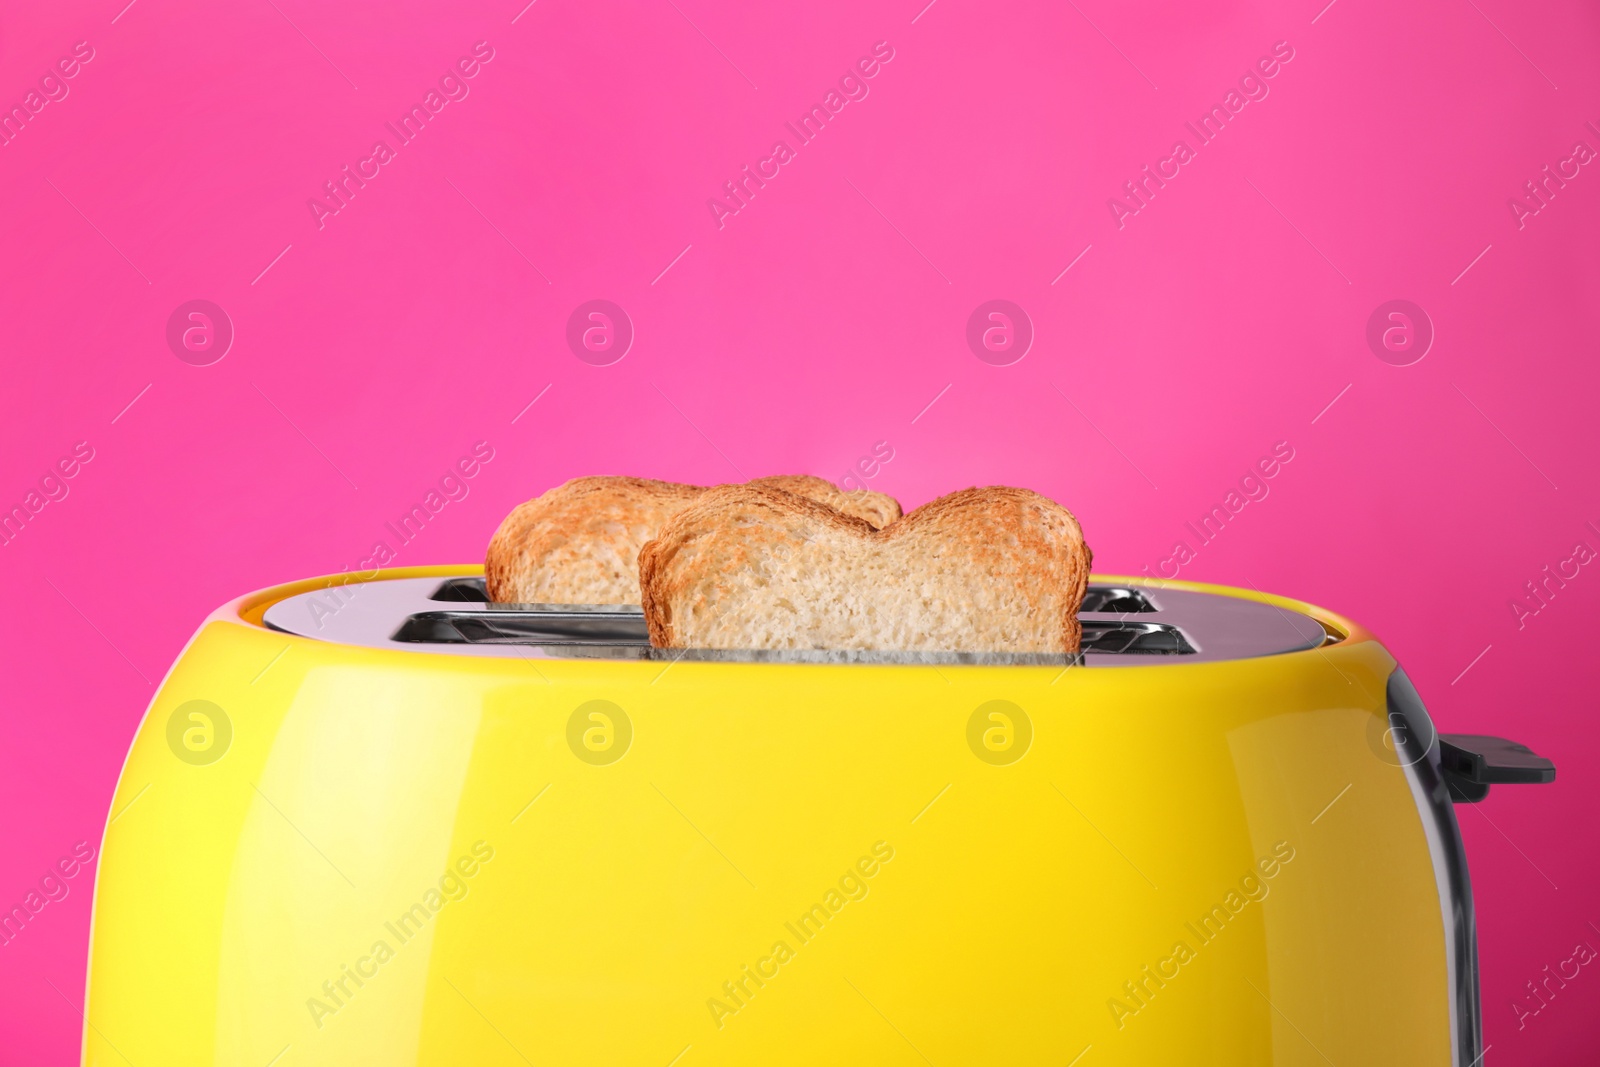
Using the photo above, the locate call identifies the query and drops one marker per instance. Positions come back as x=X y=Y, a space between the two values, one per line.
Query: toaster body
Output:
x=403 y=828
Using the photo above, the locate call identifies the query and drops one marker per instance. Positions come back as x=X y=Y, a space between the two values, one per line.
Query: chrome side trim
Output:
x=1417 y=746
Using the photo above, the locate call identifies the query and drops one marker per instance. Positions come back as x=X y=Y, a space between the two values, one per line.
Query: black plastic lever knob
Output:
x=1473 y=762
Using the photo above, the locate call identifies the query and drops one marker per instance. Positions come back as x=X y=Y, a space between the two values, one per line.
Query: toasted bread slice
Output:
x=981 y=570
x=579 y=543
x=877 y=508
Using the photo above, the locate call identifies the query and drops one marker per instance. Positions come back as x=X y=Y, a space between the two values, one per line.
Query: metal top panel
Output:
x=1138 y=625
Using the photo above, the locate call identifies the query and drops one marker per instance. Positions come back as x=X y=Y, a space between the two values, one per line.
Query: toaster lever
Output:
x=1473 y=762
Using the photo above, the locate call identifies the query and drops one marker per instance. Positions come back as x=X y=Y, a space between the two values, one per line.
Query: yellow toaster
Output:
x=385 y=822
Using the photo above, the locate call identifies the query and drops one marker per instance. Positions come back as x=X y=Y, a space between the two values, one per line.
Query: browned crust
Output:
x=879 y=509
x=594 y=515
x=982 y=522
x=544 y=525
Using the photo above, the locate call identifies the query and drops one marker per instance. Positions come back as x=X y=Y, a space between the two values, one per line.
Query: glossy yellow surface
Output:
x=991 y=892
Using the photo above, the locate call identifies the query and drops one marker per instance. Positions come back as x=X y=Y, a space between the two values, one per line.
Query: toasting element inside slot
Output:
x=1115 y=600
x=524 y=628
x=1473 y=762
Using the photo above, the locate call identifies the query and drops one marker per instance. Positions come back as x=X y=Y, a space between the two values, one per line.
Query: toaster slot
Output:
x=524 y=628
x=1135 y=639
x=1125 y=623
x=625 y=629
x=1115 y=600
x=1109 y=599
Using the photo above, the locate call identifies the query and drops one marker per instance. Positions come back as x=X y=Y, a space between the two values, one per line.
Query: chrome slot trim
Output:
x=809 y=655
x=558 y=627
x=524 y=628
x=1117 y=599
x=1119 y=638
x=471 y=591
x=461 y=591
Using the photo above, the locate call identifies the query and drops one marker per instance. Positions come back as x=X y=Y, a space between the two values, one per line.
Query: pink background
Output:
x=821 y=319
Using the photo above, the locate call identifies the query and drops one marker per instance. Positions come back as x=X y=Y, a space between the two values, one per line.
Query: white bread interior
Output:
x=982 y=570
